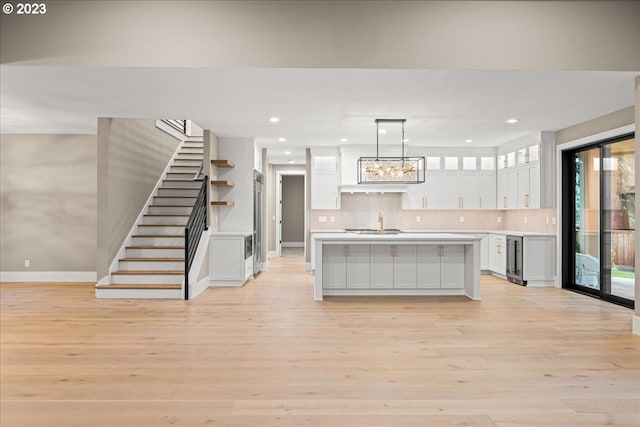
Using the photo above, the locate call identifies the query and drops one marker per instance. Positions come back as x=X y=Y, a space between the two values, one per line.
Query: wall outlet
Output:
x=332 y=219
x=27 y=263
x=499 y=219
x=322 y=219
x=418 y=218
x=461 y=219
x=526 y=219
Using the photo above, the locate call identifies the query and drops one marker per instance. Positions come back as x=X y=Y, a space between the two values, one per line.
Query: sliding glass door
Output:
x=599 y=220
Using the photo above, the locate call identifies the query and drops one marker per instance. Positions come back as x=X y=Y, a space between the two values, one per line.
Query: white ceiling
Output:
x=315 y=106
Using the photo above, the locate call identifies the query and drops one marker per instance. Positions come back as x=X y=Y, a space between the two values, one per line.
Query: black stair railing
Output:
x=196 y=225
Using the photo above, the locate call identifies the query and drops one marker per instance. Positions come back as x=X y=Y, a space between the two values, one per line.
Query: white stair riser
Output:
x=168 y=210
x=192 y=150
x=161 y=229
x=189 y=156
x=185 y=169
x=157 y=241
x=140 y=293
x=162 y=191
x=160 y=201
x=169 y=220
x=184 y=182
x=147 y=279
x=154 y=253
x=191 y=163
x=151 y=265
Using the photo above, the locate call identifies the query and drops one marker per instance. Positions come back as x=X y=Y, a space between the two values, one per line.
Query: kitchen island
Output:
x=397 y=264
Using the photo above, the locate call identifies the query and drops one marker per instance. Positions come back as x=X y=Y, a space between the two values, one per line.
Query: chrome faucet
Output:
x=381 y=222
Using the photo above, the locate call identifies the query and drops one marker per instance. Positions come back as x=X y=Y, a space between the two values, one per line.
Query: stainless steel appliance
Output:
x=257 y=222
x=514 y=260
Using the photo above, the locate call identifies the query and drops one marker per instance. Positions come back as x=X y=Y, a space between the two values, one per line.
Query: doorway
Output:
x=599 y=220
x=290 y=214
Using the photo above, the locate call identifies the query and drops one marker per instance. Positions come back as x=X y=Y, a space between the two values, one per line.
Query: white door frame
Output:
x=279 y=175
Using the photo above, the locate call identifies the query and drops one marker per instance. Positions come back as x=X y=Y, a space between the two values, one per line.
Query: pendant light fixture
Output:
x=390 y=170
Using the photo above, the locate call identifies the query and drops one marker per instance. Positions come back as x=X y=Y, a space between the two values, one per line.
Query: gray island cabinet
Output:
x=397 y=264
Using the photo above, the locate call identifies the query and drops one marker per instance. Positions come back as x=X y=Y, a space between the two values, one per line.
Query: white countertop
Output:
x=232 y=233
x=501 y=232
x=406 y=236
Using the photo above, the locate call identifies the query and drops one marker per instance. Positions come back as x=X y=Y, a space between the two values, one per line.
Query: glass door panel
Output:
x=618 y=219
x=587 y=220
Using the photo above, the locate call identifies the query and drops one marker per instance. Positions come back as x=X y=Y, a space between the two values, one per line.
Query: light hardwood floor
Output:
x=266 y=354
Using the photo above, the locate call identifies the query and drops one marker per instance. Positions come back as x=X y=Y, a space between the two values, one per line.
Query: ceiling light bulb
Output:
x=287 y=152
x=282 y=139
x=290 y=161
x=382 y=131
x=343 y=139
x=512 y=121
x=406 y=140
x=274 y=119
x=468 y=140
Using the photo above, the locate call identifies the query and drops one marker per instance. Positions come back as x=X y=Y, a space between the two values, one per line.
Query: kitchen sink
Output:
x=372 y=231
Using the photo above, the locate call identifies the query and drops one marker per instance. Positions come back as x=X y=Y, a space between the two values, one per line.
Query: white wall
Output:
x=240 y=216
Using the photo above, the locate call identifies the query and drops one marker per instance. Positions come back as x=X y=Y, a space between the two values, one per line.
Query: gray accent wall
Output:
x=132 y=155
x=49 y=202
x=613 y=120
x=292 y=208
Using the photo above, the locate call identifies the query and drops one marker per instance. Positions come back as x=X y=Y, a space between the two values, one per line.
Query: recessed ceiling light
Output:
x=468 y=140
x=382 y=131
x=291 y=161
x=287 y=152
x=343 y=139
x=406 y=140
x=274 y=119
x=512 y=121
x=282 y=139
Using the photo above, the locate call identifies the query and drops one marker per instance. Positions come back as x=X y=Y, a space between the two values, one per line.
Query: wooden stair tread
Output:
x=180 y=188
x=152 y=259
x=161 y=225
x=166 y=215
x=170 y=206
x=154 y=247
x=222 y=203
x=175 y=197
x=139 y=286
x=148 y=272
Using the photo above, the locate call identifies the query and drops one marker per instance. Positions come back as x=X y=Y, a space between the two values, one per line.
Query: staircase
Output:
x=153 y=265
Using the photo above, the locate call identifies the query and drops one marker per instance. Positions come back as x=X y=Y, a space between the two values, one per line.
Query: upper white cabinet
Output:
x=325 y=192
x=526 y=173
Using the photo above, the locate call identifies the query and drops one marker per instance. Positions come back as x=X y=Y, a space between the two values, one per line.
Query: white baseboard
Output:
x=636 y=325
x=271 y=254
x=48 y=276
x=293 y=244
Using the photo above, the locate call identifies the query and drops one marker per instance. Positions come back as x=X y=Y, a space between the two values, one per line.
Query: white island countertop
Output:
x=396 y=237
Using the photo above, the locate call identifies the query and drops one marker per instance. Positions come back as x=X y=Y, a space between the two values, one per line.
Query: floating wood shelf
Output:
x=222 y=203
x=223 y=163
x=224 y=183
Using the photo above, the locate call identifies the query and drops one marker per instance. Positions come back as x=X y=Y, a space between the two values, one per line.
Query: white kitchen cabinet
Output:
x=439 y=266
x=501 y=189
x=405 y=268
x=497 y=254
x=538 y=260
x=469 y=195
x=414 y=198
x=512 y=189
x=433 y=190
x=228 y=263
x=487 y=190
x=325 y=192
x=345 y=266
x=484 y=252
x=393 y=266
x=452 y=276
x=451 y=190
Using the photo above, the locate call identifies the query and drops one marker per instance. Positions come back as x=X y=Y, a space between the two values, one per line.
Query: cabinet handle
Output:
x=424 y=203
x=504 y=201
x=336 y=202
x=480 y=202
x=526 y=200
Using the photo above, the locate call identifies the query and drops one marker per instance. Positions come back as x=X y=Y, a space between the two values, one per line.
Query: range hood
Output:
x=374 y=188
